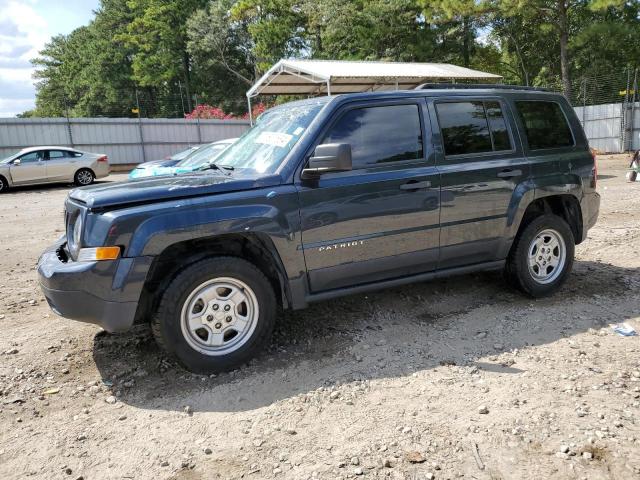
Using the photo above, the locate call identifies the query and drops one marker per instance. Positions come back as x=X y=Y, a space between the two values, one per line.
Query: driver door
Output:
x=31 y=168
x=379 y=220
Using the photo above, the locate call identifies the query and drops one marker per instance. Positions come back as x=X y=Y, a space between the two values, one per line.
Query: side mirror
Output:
x=16 y=162
x=330 y=157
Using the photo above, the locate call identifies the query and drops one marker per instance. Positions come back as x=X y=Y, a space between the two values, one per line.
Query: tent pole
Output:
x=250 y=113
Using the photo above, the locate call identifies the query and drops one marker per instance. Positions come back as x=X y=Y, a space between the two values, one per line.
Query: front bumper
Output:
x=105 y=293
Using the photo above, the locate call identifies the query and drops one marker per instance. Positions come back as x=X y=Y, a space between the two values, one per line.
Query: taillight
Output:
x=594 y=171
x=103 y=158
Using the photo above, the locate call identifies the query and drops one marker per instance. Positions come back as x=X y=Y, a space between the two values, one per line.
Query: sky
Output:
x=25 y=26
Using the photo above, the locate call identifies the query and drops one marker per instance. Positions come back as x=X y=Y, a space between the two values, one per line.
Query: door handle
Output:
x=415 y=185
x=509 y=173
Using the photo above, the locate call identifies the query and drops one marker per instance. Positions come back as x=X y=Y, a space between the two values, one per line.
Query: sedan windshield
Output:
x=264 y=147
x=9 y=158
x=184 y=153
x=203 y=155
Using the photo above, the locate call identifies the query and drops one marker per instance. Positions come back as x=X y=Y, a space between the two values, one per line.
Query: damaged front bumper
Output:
x=105 y=293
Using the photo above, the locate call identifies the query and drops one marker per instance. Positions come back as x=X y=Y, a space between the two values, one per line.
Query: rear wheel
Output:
x=542 y=256
x=216 y=314
x=83 y=177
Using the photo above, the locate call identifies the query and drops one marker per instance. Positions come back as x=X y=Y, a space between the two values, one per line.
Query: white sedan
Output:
x=36 y=165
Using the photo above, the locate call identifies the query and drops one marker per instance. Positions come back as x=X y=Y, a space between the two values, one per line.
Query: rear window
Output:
x=545 y=125
x=473 y=127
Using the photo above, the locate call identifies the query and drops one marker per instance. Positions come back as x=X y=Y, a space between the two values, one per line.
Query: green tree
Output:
x=87 y=73
x=277 y=28
x=222 y=52
x=157 y=34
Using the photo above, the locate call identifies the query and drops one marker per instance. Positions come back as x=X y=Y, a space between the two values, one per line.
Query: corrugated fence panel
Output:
x=214 y=130
x=119 y=138
x=170 y=131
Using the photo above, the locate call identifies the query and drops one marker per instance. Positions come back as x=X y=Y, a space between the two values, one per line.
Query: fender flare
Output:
x=536 y=188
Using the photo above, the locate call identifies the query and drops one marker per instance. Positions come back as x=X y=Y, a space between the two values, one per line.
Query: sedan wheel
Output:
x=84 y=177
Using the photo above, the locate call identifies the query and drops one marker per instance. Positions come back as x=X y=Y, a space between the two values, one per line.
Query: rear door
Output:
x=379 y=220
x=60 y=165
x=30 y=170
x=481 y=162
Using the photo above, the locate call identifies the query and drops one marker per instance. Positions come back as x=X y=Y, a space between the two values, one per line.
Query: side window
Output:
x=545 y=125
x=31 y=157
x=379 y=135
x=473 y=127
x=56 y=154
x=498 y=126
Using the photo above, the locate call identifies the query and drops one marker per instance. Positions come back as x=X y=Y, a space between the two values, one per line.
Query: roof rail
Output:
x=455 y=86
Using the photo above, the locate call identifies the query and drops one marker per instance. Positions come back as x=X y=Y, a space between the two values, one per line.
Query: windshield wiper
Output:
x=213 y=166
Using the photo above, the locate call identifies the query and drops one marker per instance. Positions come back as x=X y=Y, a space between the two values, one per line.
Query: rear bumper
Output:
x=590 y=206
x=103 y=169
x=105 y=293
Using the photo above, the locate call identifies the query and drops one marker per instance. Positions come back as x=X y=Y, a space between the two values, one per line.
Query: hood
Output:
x=169 y=187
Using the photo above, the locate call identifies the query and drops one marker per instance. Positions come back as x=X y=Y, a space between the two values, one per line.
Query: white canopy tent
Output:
x=316 y=77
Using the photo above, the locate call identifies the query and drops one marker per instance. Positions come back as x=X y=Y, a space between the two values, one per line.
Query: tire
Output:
x=83 y=177
x=206 y=343
x=4 y=185
x=550 y=238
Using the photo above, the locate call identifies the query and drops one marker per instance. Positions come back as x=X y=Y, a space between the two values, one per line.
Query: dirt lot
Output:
x=463 y=378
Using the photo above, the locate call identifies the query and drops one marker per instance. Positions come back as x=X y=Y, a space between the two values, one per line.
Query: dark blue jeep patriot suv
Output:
x=328 y=197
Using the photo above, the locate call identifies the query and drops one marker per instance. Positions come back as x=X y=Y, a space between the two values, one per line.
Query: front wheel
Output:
x=216 y=314
x=542 y=256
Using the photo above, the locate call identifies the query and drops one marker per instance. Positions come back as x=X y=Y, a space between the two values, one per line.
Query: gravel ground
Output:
x=463 y=378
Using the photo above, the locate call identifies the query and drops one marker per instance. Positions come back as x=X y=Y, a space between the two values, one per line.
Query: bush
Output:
x=205 y=111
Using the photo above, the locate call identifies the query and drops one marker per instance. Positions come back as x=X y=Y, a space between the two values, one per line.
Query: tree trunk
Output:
x=465 y=41
x=187 y=80
x=563 y=30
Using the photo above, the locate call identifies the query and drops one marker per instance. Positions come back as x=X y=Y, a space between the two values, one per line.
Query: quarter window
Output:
x=545 y=124
x=379 y=135
x=473 y=127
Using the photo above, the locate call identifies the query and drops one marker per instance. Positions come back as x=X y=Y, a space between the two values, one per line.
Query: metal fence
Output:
x=613 y=127
x=610 y=128
x=124 y=140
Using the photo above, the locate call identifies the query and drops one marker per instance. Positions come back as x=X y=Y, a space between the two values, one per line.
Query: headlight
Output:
x=75 y=237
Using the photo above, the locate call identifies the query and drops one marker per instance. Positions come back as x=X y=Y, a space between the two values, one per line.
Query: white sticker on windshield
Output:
x=274 y=138
x=298 y=131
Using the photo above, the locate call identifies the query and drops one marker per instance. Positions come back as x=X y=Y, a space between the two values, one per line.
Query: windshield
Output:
x=264 y=146
x=184 y=154
x=10 y=157
x=204 y=155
